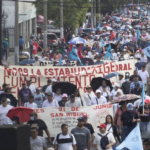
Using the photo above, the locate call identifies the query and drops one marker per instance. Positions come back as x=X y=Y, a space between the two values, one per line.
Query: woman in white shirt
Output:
x=79 y=98
x=57 y=95
x=111 y=128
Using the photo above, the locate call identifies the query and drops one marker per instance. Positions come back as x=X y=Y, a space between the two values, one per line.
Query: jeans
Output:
x=4 y=54
x=145 y=127
x=31 y=51
x=114 y=147
x=127 y=130
x=122 y=134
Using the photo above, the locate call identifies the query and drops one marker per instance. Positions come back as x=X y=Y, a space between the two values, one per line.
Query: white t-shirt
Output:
x=144 y=75
x=65 y=146
x=49 y=89
x=57 y=97
x=4 y=110
x=109 y=128
x=74 y=104
x=143 y=59
x=46 y=103
x=32 y=88
x=115 y=56
x=79 y=99
x=31 y=105
x=88 y=97
x=42 y=59
x=101 y=100
x=97 y=139
x=107 y=88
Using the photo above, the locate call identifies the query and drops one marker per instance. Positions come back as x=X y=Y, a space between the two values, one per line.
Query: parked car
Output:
x=52 y=39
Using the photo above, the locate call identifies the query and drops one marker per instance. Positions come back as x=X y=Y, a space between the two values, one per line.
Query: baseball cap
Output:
x=6 y=39
x=64 y=95
x=50 y=94
x=98 y=91
x=65 y=56
x=130 y=106
x=81 y=119
x=3 y=99
x=102 y=126
x=54 y=80
x=147 y=101
x=28 y=79
x=85 y=116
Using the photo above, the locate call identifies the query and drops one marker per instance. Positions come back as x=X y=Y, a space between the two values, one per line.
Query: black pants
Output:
x=20 y=48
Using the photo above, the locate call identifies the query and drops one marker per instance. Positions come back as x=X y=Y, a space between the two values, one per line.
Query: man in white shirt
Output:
x=42 y=57
x=30 y=86
x=88 y=95
x=120 y=81
x=98 y=137
x=72 y=102
x=50 y=102
x=144 y=75
x=49 y=88
x=64 y=140
x=143 y=58
x=98 y=99
x=31 y=103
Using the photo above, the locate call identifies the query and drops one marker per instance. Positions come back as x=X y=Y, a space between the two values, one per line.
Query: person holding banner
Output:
x=79 y=98
x=64 y=140
x=82 y=135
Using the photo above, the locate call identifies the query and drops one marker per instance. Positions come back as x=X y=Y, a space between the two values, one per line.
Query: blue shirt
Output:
x=38 y=99
x=135 y=85
x=21 y=42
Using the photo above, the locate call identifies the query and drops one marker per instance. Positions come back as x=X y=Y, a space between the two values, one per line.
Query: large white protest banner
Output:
x=55 y=117
x=79 y=75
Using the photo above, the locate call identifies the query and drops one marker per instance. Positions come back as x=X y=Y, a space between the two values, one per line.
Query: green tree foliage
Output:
x=74 y=11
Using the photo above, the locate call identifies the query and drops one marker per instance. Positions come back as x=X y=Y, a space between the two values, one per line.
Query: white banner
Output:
x=79 y=75
x=55 y=117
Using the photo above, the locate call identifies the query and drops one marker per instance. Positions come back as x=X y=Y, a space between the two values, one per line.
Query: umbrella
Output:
x=26 y=61
x=127 y=43
x=127 y=97
x=104 y=34
x=105 y=28
x=113 y=46
x=110 y=75
x=125 y=27
x=97 y=82
x=77 y=40
x=21 y=112
x=85 y=62
x=65 y=87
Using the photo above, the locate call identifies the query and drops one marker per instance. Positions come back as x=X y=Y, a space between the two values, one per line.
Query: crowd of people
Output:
x=128 y=42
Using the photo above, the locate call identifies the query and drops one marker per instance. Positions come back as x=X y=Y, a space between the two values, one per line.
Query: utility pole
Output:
x=1 y=32
x=16 y=34
x=61 y=20
x=45 y=24
x=92 y=14
x=94 y=10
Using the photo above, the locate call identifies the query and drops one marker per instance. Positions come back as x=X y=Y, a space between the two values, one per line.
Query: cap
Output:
x=8 y=100
x=28 y=79
x=54 y=80
x=88 y=87
x=98 y=91
x=6 y=39
x=81 y=119
x=3 y=99
x=116 y=85
x=65 y=56
x=140 y=49
x=23 y=83
x=36 y=56
x=72 y=96
x=85 y=116
x=102 y=126
x=121 y=74
x=64 y=95
x=38 y=89
x=50 y=94
x=129 y=106
x=31 y=96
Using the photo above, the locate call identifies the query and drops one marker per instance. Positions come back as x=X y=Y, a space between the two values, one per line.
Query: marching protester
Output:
x=126 y=86
x=24 y=93
x=82 y=135
x=79 y=98
x=104 y=139
x=64 y=140
x=31 y=103
x=30 y=86
x=46 y=86
x=39 y=124
x=63 y=101
x=129 y=119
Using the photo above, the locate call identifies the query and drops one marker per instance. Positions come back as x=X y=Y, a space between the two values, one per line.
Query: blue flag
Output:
x=60 y=61
x=74 y=55
x=141 y=14
x=143 y=94
x=108 y=55
x=99 y=26
x=147 y=51
x=102 y=42
x=125 y=11
x=133 y=140
x=138 y=34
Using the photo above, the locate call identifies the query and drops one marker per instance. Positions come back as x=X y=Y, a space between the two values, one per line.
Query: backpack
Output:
x=104 y=141
x=62 y=141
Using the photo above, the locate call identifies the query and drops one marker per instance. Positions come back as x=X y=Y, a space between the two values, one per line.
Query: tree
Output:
x=74 y=12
